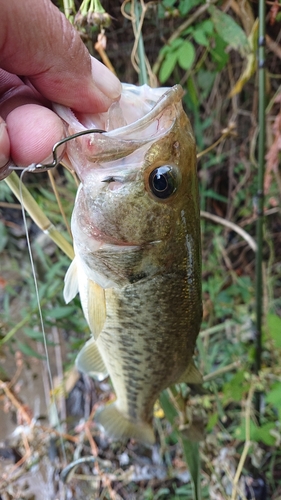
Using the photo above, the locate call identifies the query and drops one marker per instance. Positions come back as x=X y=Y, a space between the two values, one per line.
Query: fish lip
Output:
x=106 y=241
x=127 y=246
x=120 y=246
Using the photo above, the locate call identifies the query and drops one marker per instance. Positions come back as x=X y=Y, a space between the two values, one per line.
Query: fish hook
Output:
x=42 y=167
x=67 y=473
x=56 y=160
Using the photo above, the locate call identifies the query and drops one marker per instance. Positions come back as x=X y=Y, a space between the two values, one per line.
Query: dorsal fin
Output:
x=191 y=375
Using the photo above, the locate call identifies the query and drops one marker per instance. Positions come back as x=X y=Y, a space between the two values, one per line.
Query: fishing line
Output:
x=38 y=167
x=48 y=365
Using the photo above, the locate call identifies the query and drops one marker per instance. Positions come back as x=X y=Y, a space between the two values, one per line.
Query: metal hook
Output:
x=56 y=159
x=69 y=470
x=38 y=167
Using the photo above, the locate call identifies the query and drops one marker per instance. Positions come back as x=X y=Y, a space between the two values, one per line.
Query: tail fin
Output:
x=117 y=426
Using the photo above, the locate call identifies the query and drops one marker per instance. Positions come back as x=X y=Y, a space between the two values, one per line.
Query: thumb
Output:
x=53 y=57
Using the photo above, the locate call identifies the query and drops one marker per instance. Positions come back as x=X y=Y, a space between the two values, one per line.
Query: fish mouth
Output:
x=125 y=246
x=120 y=246
x=111 y=244
x=101 y=241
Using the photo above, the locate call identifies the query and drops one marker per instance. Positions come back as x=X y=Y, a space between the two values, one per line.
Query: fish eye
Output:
x=163 y=181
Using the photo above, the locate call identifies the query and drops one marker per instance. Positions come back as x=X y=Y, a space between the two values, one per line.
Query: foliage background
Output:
x=210 y=48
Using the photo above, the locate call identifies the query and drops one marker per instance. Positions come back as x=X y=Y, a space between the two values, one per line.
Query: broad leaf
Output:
x=274 y=326
x=230 y=31
x=186 y=55
x=167 y=66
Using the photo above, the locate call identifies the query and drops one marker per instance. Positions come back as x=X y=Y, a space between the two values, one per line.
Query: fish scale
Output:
x=137 y=266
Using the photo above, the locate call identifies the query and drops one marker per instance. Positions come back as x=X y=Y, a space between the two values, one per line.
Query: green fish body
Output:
x=136 y=231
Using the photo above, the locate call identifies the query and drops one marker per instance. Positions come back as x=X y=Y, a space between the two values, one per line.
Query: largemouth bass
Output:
x=137 y=265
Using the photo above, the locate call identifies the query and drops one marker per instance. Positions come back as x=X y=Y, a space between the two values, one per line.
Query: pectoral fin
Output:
x=96 y=308
x=191 y=375
x=71 y=282
x=89 y=361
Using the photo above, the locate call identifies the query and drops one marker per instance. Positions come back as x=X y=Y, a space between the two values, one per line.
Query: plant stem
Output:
x=69 y=9
x=35 y=212
x=141 y=53
x=260 y=193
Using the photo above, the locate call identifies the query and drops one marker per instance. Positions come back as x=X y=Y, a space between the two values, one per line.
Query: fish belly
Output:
x=147 y=343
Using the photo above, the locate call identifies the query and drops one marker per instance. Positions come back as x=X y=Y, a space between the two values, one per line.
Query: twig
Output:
x=138 y=57
x=221 y=371
x=100 y=46
x=225 y=133
x=6 y=204
x=260 y=196
x=247 y=442
x=216 y=328
x=215 y=218
x=15 y=402
x=54 y=187
x=59 y=366
x=38 y=215
x=275 y=47
x=25 y=456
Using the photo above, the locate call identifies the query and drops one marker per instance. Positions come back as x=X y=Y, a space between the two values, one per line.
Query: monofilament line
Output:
x=53 y=400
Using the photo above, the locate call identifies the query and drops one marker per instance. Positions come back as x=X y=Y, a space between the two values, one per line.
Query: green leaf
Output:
x=219 y=55
x=212 y=421
x=186 y=5
x=60 y=312
x=168 y=3
x=33 y=334
x=167 y=66
x=200 y=37
x=263 y=434
x=206 y=79
x=26 y=349
x=192 y=457
x=168 y=408
x=186 y=55
x=257 y=433
x=168 y=49
x=230 y=31
x=209 y=193
x=190 y=448
x=274 y=395
x=3 y=236
x=274 y=327
x=175 y=44
x=207 y=26
x=192 y=92
x=235 y=389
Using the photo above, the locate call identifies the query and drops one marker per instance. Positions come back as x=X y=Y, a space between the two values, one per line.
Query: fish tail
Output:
x=117 y=426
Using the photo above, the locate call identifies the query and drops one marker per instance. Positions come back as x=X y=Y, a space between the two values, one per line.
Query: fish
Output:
x=137 y=265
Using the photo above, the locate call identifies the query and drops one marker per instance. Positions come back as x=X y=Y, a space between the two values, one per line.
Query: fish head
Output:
x=139 y=196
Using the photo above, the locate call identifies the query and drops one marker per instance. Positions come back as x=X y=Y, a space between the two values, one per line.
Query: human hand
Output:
x=39 y=44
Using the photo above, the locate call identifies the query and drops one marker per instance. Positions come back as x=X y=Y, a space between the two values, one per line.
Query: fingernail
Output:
x=105 y=80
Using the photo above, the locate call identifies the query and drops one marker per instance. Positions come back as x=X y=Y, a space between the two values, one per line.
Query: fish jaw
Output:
x=127 y=127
